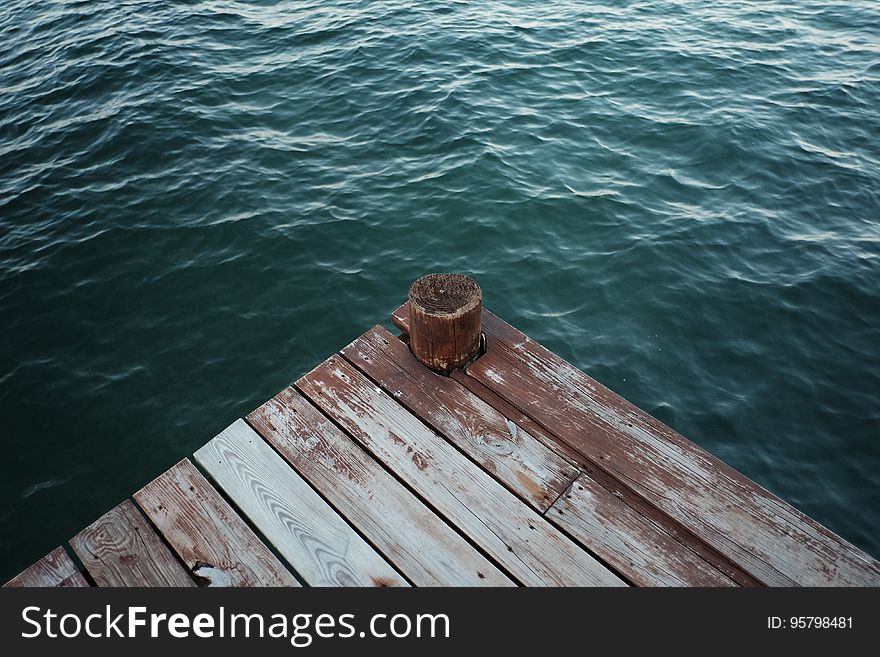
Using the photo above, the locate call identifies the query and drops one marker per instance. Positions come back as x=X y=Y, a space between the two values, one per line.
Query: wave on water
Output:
x=200 y=201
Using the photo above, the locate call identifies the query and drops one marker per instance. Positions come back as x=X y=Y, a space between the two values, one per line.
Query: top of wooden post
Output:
x=445 y=294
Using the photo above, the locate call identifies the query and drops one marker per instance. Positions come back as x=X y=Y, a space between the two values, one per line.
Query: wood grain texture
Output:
x=56 y=569
x=629 y=497
x=636 y=547
x=421 y=545
x=530 y=469
x=121 y=549
x=322 y=548
x=528 y=546
x=763 y=535
x=217 y=546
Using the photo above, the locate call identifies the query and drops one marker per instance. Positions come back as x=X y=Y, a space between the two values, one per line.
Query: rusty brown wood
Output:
x=444 y=313
x=213 y=541
x=529 y=468
x=513 y=534
x=121 y=549
x=419 y=544
x=763 y=535
x=56 y=569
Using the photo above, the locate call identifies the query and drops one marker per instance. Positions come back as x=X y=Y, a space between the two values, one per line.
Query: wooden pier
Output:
x=374 y=470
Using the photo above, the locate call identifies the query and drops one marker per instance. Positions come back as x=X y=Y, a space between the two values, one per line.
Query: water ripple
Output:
x=199 y=201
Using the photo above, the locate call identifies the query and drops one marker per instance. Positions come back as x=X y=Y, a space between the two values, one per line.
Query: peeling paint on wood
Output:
x=525 y=465
x=636 y=547
x=208 y=535
x=642 y=506
x=426 y=549
x=513 y=534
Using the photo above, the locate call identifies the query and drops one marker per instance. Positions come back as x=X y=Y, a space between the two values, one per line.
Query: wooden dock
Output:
x=373 y=470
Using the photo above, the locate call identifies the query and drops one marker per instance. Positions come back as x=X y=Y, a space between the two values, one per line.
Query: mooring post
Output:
x=444 y=320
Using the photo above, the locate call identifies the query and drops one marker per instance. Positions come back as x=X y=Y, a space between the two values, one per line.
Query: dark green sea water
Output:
x=199 y=201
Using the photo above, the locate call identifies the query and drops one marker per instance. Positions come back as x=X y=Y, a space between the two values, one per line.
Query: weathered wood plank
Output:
x=421 y=545
x=525 y=465
x=217 y=546
x=762 y=534
x=121 y=549
x=635 y=501
x=314 y=539
x=636 y=547
x=56 y=569
x=511 y=532
x=400 y=317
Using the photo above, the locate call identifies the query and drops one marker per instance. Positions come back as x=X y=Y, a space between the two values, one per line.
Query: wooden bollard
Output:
x=444 y=320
